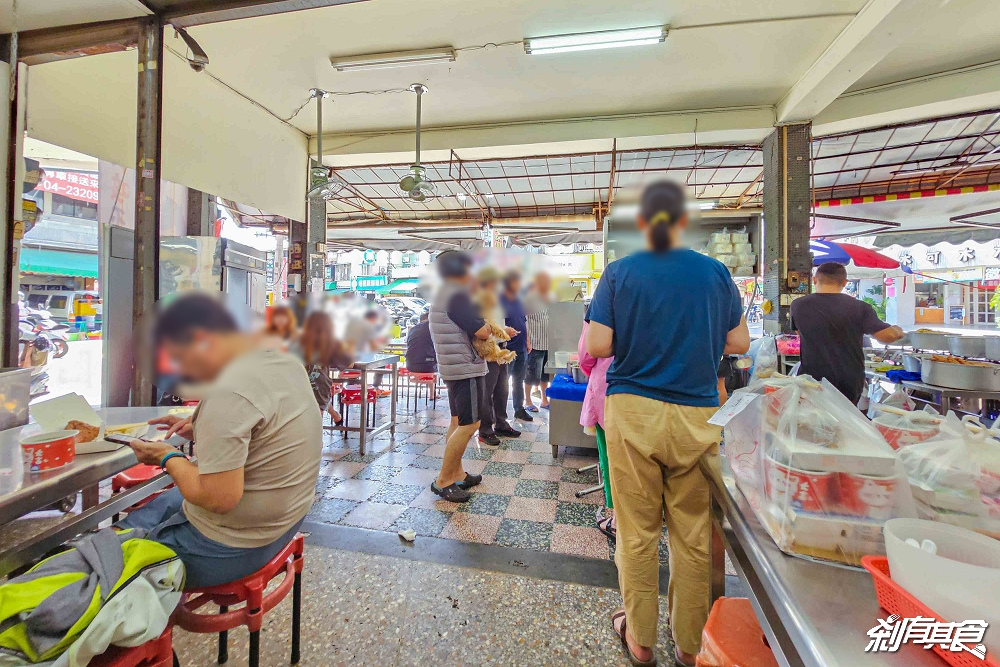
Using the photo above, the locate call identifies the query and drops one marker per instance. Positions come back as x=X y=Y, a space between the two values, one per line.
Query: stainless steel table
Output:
x=375 y=364
x=29 y=492
x=941 y=397
x=813 y=614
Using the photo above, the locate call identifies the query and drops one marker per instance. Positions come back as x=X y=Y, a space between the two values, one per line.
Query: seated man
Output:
x=259 y=438
x=420 y=355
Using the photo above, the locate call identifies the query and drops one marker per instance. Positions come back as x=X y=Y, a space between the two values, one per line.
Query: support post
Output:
x=201 y=213
x=148 y=146
x=13 y=224
x=314 y=255
x=787 y=203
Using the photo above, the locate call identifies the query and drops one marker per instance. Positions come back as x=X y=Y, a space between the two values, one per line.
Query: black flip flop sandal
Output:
x=636 y=662
x=469 y=481
x=604 y=525
x=452 y=493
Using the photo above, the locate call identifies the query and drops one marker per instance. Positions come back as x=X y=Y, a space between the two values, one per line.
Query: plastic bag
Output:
x=955 y=476
x=820 y=478
x=897 y=399
x=901 y=427
x=765 y=359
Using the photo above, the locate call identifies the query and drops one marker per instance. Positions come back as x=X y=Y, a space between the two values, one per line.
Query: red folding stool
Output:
x=249 y=589
x=158 y=652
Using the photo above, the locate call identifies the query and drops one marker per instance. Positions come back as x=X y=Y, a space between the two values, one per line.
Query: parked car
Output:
x=68 y=306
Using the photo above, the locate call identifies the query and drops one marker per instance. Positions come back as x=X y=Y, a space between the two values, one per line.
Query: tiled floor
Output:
x=526 y=499
x=365 y=609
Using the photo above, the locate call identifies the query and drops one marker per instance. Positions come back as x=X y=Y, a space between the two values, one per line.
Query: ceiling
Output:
x=703 y=63
x=964 y=33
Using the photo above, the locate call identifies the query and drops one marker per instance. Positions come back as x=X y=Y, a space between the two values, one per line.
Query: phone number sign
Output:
x=81 y=186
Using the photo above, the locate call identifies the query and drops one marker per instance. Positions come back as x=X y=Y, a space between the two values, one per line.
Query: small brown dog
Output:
x=490 y=349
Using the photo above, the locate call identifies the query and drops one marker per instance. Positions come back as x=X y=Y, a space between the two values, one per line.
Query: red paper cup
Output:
x=803 y=490
x=900 y=437
x=867 y=495
x=49 y=450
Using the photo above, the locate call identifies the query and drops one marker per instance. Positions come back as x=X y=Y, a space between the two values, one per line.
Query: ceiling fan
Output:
x=415 y=183
x=322 y=183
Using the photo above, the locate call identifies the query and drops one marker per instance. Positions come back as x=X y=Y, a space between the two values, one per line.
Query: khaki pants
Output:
x=653 y=452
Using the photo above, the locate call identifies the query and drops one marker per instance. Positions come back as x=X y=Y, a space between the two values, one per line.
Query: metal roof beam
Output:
x=877 y=30
x=187 y=13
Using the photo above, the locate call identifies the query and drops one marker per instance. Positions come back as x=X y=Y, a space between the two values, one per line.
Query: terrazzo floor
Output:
x=526 y=499
x=364 y=609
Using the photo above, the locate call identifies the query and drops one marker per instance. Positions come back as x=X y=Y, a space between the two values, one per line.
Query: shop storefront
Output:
x=950 y=284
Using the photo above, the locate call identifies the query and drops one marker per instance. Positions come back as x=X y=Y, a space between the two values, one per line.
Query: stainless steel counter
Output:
x=814 y=614
x=23 y=492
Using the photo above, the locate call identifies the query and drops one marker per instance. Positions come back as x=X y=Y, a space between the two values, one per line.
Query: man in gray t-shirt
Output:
x=259 y=443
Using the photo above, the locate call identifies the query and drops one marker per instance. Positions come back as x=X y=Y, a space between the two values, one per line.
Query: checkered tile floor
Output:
x=526 y=499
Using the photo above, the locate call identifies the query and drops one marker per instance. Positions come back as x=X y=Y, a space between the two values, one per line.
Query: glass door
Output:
x=983 y=314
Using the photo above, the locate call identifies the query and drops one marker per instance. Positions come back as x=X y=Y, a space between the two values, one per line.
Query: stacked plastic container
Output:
x=734 y=250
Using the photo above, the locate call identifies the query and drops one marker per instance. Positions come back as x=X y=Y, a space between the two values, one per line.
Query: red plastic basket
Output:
x=896 y=600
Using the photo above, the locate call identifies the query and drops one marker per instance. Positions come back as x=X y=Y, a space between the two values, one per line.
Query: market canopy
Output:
x=59 y=263
x=399 y=286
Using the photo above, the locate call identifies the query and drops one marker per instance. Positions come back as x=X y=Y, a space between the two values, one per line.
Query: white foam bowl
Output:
x=959 y=583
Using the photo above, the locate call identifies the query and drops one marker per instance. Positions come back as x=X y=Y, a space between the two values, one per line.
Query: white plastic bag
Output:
x=765 y=361
x=819 y=476
x=955 y=475
x=898 y=398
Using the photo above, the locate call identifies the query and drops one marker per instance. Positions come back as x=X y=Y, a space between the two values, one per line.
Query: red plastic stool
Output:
x=733 y=638
x=250 y=590
x=351 y=395
x=156 y=653
x=134 y=476
x=429 y=382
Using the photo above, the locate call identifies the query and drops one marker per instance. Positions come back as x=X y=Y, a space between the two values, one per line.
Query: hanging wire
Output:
x=491 y=45
x=337 y=93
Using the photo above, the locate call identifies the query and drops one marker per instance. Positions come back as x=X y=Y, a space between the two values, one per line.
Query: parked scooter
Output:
x=45 y=326
x=34 y=354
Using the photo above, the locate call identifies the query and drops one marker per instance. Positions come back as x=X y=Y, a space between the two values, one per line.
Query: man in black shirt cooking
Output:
x=832 y=326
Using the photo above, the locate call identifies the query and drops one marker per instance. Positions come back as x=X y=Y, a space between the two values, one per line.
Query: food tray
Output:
x=992 y=345
x=925 y=340
x=967 y=346
x=960 y=376
x=896 y=600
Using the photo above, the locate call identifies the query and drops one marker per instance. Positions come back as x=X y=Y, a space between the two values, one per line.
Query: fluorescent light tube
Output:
x=392 y=60
x=607 y=39
x=706 y=205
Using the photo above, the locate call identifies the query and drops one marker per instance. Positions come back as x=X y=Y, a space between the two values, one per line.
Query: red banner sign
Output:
x=78 y=185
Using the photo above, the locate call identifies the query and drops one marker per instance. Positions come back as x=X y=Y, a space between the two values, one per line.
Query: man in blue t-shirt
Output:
x=667 y=315
x=516 y=319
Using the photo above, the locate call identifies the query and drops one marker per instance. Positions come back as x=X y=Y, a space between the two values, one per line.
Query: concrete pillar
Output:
x=298 y=258
x=307 y=259
x=787 y=200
